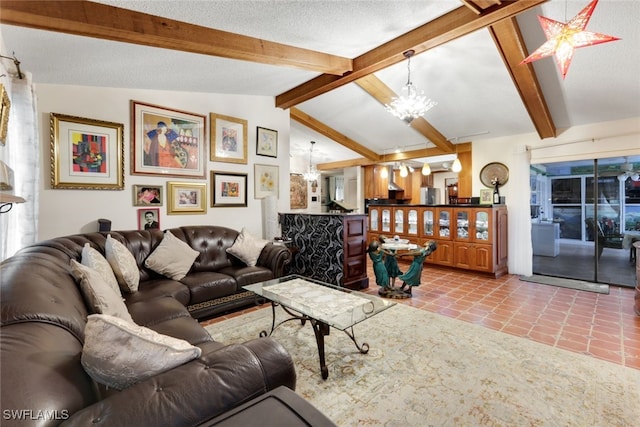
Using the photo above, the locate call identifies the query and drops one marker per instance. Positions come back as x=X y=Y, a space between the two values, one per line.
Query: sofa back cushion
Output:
x=212 y=243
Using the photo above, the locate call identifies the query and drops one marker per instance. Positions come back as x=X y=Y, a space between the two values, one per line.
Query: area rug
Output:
x=561 y=282
x=424 y=369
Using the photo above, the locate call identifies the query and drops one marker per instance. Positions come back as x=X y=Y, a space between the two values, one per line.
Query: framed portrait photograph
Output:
x=186 y=198
x=486 y=196
x=5 y=109
x=147 y=195
x=167 y=142
x=265 y=181
x=86 y=154
x=266 y=142
x=148 y=219
x=228 y=139
x=228 y=189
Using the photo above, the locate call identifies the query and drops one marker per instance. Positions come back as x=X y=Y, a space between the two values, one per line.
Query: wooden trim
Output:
x=457 y=23
x=508 y=39
x=85 y=18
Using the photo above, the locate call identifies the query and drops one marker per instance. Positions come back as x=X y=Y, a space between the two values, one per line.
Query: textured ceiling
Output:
x=467 y=77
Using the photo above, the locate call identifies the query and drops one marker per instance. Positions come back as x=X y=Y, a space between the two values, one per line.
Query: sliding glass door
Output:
x=594 y=208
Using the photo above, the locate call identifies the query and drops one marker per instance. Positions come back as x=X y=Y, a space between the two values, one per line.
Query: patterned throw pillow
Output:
x=119 y=354
x=94 y=260
x=172 y=258
x=247 y=247
x=123 y=264
x=99 y=295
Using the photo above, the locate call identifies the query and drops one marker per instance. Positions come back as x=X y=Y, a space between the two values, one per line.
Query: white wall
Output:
x=599 y=140
x=65 y=212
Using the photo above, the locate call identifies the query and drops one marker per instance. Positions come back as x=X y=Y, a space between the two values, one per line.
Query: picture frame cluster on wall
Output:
x=164 y=142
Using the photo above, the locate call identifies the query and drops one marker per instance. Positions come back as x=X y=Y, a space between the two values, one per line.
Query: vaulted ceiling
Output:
x=334 y=64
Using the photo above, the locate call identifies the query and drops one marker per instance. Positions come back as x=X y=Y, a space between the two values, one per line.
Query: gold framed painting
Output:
x=5 y=109
x=147 y=195
x=297 y=191
x=265 y=181
x=167 y=142
x=186 y=198
x=86 y=154
x=228 y=189
x=228 y=139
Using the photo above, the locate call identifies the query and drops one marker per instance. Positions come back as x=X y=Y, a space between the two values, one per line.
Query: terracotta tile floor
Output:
x=598 y=325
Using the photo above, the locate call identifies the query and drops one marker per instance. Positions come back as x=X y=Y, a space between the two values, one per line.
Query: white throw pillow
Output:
x=99 y=295
x=119 y=354
x=247 y=247
x=94 y=260
x=172 y=258
x=123 y=264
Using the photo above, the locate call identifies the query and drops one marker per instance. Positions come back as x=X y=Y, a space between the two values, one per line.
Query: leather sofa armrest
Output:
x=275 y=258
x=197 y=391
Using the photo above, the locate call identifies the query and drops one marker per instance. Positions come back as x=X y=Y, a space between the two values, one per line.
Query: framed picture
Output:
x=148 y=219
x=147 y=195
x=228 y=189
x=265 y=181
x=5 y=108
x=228 y=139
x=167 y=142
x=86 y=154
x=266 y=142
x=186 y=198
x=297 y=191
x=486 y=196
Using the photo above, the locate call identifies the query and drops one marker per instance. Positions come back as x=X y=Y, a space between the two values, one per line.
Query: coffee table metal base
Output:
x=320 y=329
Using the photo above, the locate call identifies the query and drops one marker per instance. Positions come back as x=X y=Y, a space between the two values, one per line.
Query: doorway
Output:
x=585 y=216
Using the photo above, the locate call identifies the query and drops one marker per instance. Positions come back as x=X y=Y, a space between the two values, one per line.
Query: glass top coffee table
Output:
x=322 y=304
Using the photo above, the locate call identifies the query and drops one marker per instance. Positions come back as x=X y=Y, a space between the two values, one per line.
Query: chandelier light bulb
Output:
x=456 y=166
x=404 y=171
x=384 y=173
x=426 y=169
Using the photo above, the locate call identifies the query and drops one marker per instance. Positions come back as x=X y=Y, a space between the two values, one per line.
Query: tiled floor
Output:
x=598 y=325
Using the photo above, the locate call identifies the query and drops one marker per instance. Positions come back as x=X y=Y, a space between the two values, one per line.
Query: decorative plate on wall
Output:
x=494 y=171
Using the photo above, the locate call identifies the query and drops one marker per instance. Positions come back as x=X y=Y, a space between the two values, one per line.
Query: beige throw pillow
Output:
x=94 y=260
x=172 y=258
x=247 y=247
x=119 y=354
x=98 y=294
x=123 y=264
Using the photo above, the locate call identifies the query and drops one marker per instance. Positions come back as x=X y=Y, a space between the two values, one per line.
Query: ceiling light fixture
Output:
x=456 y=166
x=426 y=169
x=564 y=38
x=404 y=171
x=412 y=104
x=311 y=174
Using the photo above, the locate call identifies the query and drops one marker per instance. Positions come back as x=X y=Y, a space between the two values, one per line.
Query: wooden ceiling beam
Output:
x=508 y=39
x=457 y=23
x=383 y=94
x=321 y=128
x=395 y=157
x=89 y=19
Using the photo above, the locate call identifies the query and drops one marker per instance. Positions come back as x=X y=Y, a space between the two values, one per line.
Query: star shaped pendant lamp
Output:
x=564 y=38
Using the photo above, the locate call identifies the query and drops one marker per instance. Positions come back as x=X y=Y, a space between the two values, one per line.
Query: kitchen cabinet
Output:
x=470 y=237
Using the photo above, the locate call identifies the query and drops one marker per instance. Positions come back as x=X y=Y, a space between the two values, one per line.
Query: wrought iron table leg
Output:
x=364 y=348
x=321 y=329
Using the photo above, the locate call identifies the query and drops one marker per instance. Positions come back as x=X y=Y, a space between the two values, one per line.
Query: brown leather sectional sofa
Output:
x=44 y=314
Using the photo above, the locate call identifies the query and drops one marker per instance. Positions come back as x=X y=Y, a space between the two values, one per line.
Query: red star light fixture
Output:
x=564 y=38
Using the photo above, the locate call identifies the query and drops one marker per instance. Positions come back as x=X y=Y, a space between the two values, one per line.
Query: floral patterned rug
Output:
x=423 y=369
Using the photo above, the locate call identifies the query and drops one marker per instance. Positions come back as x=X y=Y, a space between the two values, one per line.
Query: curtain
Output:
x=19 y=226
